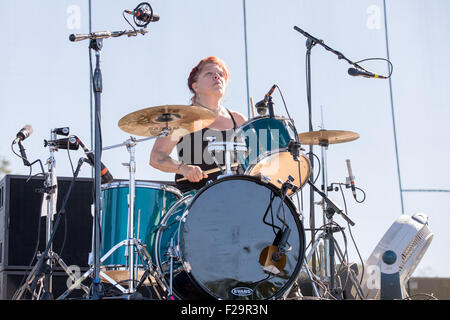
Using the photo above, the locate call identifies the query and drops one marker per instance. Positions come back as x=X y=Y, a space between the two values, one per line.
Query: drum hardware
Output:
x=294 y=147
x=266 y=103
x=329 y=230
x=252 y=107
x=42 y=272
x=330 y=244
x=172 y=253
x=131 y=243
x=212 y=153
x=229 y=149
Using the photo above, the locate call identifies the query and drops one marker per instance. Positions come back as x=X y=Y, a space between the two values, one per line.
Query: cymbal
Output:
x=326 y=137
x=178 y=119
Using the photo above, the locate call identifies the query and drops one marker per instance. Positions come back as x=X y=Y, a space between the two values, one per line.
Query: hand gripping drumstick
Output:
x=211 y=171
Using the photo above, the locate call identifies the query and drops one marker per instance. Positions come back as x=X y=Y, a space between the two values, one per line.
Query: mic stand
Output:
x=310 y=43
x=48 y=258
x=337 y=53
x=331 y=209
x=270 y=106
x=97 y=289
x=96 y=44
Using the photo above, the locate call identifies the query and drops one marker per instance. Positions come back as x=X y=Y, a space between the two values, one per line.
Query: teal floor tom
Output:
x=152 y=201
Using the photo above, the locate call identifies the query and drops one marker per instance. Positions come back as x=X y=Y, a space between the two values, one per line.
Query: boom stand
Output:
x=96 y=44
x=331 y=209
x=310 y=42
x=97 y=287
x=42 y=271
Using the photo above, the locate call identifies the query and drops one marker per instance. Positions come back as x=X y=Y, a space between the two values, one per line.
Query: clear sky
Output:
x=44 y=82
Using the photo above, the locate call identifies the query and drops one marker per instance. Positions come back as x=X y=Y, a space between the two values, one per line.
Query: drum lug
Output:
x=265 y=178
x=173 y=253
x=187 y=266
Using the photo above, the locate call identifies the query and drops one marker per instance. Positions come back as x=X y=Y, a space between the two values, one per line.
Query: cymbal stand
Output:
x=329 y=259
x=132 y=244
x=42 y=272
x=229 y=149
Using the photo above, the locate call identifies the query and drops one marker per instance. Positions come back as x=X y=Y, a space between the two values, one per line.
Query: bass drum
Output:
x=220 y=237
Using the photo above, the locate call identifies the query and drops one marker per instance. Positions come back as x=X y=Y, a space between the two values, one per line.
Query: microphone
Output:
x=62 y=131
x=24 y=133
x=144 y=15
x=276 y=256
x=355 y=72
x=64 y=143
x=105 y=174
x=351 y=178
x=261 y=106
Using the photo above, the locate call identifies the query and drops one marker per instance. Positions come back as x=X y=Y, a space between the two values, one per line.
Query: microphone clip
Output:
x=294 y=148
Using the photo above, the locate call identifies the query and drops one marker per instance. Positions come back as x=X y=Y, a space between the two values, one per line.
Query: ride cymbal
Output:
x=179 y=120
x=326 y=137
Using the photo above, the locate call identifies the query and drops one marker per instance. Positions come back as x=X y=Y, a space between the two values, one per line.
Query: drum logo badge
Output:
x=242 y=291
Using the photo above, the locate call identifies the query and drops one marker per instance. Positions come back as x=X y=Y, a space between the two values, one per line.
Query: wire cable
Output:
x=351 y=235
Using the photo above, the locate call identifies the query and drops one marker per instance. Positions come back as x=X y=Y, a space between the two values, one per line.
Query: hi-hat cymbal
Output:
x=178 y=119
x=326 y=137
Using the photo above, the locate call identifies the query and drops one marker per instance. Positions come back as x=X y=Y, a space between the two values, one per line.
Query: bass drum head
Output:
x=229 y=224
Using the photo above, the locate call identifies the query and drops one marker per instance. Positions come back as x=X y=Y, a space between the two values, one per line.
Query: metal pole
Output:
x=246 y=58
x=393 y=112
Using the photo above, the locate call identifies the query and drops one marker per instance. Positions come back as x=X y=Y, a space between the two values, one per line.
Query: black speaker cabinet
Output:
x=22 y=229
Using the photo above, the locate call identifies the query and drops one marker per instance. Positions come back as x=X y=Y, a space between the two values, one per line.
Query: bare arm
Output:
x=161 y=160
x=160 y=156
x=239 y=118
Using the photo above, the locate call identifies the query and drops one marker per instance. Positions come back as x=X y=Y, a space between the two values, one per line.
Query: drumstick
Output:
x=211 y=171
x=251 y=107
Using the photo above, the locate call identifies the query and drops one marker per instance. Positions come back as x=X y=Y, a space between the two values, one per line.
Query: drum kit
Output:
x=239 y=237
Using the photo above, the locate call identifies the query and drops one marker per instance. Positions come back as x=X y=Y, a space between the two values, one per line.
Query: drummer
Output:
x=208 y=82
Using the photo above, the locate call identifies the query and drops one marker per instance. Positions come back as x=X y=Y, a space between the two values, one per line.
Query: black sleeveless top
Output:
x=192 y=150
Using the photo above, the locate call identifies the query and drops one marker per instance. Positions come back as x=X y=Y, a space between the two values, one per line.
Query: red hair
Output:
x=193 y=76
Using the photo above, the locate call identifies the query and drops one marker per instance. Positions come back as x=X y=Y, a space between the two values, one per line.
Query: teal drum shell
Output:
x=263 y=135
x=219 y=235
x=152 y=201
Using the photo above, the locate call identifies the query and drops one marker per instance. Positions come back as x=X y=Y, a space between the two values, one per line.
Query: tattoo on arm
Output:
x=162 y=158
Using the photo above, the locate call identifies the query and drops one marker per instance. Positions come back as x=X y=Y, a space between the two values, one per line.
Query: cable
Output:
x=36 y=248
x=391 y=69
x=300 y=207
x=55 y=227
x=318 y=162
x=134 y=29
x=364 y=194
x=351 y=235
x=65 y=215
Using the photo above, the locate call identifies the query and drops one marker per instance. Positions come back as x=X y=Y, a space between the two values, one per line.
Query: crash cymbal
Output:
x=326 y=137
x=178 y=119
